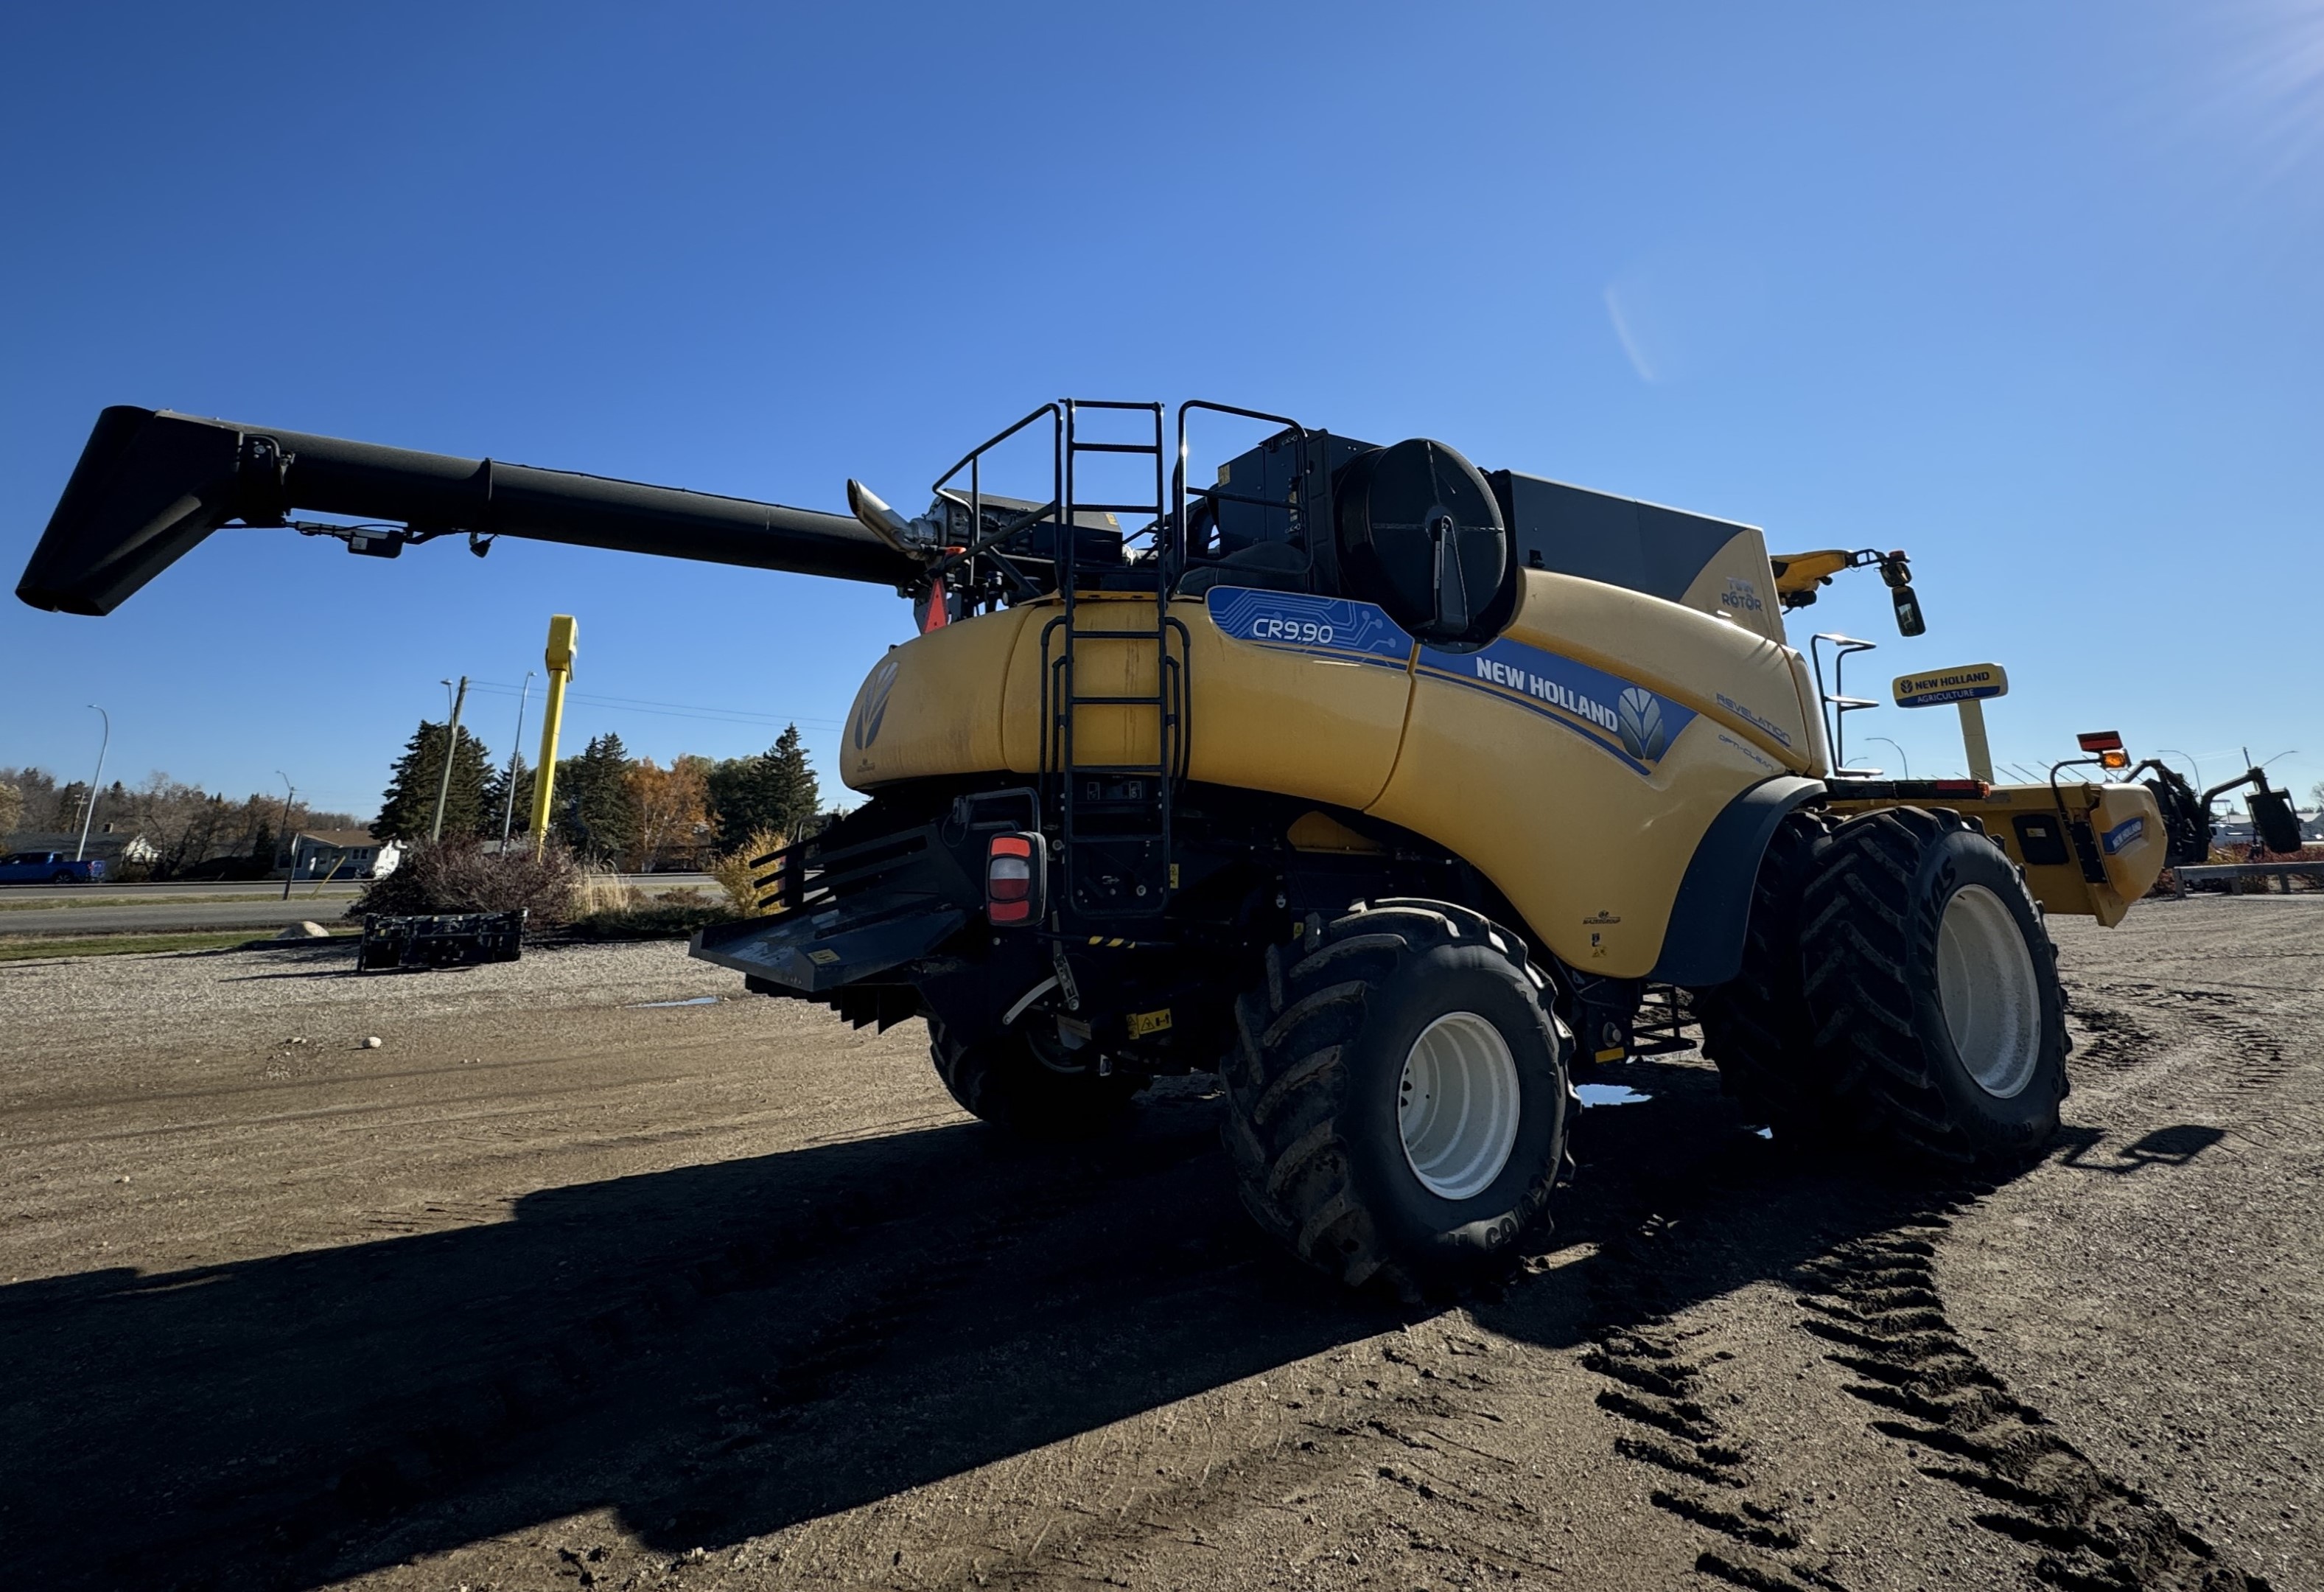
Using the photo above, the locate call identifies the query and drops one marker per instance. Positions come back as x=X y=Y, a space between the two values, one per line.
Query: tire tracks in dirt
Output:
x=1656 y=1369
x=1872 y=1303
x=1875 y=1303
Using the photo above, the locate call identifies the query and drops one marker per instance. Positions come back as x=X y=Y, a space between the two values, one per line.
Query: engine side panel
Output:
x=934 y=705
x=1298 y=695
x=1576 y=762
x=1738 y=582
x=1579 y=761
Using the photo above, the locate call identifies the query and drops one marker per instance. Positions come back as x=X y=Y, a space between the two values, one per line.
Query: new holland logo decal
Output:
x=871 y=703
x=1630 y=722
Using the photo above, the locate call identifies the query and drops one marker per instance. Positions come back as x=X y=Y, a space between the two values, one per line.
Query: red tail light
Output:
x=1015 y=879
x=2100 y=740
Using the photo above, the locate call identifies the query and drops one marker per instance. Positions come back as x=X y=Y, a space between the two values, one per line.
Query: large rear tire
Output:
x=1397 y=1102
x=1933 y=989
x=1756 y=1026
x=1041 y=1090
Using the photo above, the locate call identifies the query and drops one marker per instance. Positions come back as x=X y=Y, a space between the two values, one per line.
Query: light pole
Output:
x=451 y=745
x=1885 y=741
x=288 y=800
x=2174 y=752
x=88 y=808
x=516 y=750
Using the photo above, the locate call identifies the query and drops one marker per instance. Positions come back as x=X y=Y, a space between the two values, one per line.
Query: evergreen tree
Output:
x=407 y=810
x=496 y=799
x=795 y=798
x=595 y=812
x=774 y=791
x=71 y=799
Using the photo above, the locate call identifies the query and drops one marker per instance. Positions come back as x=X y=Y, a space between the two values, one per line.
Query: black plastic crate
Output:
x=443 y=939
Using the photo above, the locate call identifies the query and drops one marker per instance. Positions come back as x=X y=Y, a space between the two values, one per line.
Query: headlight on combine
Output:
x=1016 y=878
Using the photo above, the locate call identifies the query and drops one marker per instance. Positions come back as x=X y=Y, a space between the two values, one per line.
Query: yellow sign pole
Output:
x=1981 y=752
x=562 y=635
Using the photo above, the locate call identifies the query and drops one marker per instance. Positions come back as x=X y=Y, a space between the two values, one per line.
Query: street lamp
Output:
x=2189 y=756
x=1885 y=741
x=516 y=750
x=451 y=747
x=88 y=808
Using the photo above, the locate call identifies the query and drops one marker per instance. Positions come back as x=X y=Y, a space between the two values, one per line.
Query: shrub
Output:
x=739 y=879
x=459 y=875
x=601 y=895
x=673 y=914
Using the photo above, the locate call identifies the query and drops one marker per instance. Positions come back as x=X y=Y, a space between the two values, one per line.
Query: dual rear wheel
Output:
x=1397 y=1102
x=1898 y=986
x=1397 y=1096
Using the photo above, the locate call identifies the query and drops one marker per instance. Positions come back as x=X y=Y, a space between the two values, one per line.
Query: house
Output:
x=115 y=847
x=342 y=854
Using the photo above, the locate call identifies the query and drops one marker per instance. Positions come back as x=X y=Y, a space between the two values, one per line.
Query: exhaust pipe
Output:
x=151 y=485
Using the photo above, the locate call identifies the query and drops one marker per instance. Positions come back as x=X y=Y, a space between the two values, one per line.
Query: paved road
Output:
x=156 y=909
x=264 y=888
x=157 y=917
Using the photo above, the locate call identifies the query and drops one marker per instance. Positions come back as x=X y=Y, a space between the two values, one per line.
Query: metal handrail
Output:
x=1173 y=563
x=1836 y=722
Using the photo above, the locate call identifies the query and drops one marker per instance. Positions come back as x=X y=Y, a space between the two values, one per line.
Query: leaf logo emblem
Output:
x=1639 y=715
x=872 y=705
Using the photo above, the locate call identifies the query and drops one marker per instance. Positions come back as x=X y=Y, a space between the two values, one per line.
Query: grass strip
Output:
x=33 y=947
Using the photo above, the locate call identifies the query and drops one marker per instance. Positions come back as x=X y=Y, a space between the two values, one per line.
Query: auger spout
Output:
x=151 y=483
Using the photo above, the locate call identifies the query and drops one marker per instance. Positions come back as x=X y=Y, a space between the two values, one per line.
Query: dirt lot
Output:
x=559 y=1287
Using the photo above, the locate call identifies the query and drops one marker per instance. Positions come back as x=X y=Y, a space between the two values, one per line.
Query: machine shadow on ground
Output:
x=720 y=1351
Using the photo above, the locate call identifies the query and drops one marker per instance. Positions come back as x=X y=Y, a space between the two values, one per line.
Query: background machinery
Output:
x=1387 y=786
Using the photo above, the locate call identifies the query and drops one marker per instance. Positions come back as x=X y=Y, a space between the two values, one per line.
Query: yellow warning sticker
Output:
x=1142 y=1024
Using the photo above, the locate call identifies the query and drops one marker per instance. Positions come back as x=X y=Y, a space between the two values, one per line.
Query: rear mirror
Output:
x=1908 y=611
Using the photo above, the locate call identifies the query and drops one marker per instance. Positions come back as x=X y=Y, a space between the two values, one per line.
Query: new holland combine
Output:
x=1391 y=789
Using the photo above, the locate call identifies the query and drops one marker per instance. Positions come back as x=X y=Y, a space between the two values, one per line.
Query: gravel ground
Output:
x=560 y=1286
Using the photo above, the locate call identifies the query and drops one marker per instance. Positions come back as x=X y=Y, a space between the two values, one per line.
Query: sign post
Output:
x=562 y=637
x=1968 y=685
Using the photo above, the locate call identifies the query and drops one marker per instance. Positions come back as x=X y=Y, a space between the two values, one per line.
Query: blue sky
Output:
x=2029 y=291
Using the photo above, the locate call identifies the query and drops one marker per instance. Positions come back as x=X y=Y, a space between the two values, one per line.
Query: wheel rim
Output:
x=1457 y=1106
x=1986 y=986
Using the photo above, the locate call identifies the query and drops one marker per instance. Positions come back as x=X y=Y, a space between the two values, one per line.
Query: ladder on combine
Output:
x=1114 y=817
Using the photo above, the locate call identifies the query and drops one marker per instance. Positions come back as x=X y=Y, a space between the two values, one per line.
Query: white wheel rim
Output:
x=1457 y=1106
x=1987 y=988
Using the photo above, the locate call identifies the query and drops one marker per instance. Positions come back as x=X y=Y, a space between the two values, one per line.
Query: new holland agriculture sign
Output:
x=1970 y=682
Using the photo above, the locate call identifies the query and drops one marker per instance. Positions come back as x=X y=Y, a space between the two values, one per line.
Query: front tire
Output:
x=1933 y=988
x=1397 y=1097
x=1038 y=1089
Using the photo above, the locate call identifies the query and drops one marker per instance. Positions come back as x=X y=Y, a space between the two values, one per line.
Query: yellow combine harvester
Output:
x=1382 y=784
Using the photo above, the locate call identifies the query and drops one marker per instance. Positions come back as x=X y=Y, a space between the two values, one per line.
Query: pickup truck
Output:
x=50 y=867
